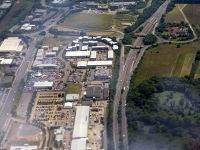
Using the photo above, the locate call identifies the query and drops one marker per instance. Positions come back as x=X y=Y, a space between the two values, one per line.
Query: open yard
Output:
x=50 y=41
x=74 y=88
x=175 y=15
x=97 y=23
x=167 y=60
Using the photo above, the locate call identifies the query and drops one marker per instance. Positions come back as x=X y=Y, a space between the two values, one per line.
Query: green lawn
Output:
x=74 y=88
x=175 y=15
x=166 y=60
x=89 y=21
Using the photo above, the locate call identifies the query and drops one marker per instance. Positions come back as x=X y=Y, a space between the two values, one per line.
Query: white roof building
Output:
x=110 y=54
x=72 y=97
x=93 y=55
x=4 y=61
x=84 y=48
x=50 y=54
x=43 y=84
x=25 y=147
x=115 y=47
x=79 y=144
x=55 y=49
x=68 y=105
x=82 y=64
x=11 y=44
x=81 y=122
x=77 y=54
x=100 y=63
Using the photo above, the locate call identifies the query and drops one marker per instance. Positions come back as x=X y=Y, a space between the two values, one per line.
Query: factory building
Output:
x=110 y=55
x=4 y=61
x=77 y=54
x=11 y=44
x=100 y=48
x=81 y=122
x=43 y=85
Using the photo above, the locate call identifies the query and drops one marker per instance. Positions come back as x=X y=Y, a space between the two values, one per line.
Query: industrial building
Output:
x=93 y=92
x=4 y=61
x=77 y=54
x=81 y=122
x=83 y=64
x=25 y=147
x=11 y=44
x=110 y=55
x=79 y=144
x=43 y=85
x=72 y=97
x=93 y=55
x=100 y=48
x=102 y=73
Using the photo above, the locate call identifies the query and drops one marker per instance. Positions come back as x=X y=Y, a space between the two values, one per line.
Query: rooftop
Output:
x=11 y=44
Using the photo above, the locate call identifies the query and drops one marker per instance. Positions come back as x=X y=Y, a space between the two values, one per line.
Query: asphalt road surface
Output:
x=125 y=75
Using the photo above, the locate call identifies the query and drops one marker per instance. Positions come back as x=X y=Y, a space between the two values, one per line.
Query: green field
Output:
x=175 y=15
x=74 y=88
x=89 y=21
x=167 y=60
x=50 y=41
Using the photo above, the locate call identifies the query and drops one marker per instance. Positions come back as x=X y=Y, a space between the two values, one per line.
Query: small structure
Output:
x=110 y=55
x=72 y=97
x=93 y=55
x=68 y=105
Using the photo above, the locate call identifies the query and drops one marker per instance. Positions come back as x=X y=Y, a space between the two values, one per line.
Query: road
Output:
x=125 y=74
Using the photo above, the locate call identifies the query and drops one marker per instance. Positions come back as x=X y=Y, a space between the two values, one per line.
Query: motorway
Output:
x=22 y=70
x=125 y=74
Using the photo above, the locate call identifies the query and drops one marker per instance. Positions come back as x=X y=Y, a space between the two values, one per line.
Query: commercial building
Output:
x=11 y=44
x=43 y=85
x=110 y=55
x=79 y=144
x=25 y=147
x=100 y=48
x=77 y=54
x=93 y=55
x=100 y=63
x=72 y=97
x=4 y=61
x=82 y=64
x=81 y=122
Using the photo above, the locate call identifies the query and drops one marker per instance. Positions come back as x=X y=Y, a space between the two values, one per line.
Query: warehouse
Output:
x=81 y=122
x=100 y=48
x=82 y=64
x=100 y=63
x=43 y=85
x=110 y=55
x=74 y=54
x=4 y=61
x=72 y=97
x=11 y=44
x=50 y=54
x=93 y=92
x=93 y=55
x=78 y=144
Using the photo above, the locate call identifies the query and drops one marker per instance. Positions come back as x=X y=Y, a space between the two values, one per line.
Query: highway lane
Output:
x=125 y=76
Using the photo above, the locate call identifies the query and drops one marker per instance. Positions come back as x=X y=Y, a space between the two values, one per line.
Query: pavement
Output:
x=125 y=74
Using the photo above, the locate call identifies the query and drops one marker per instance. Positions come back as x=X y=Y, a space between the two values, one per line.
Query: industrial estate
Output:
x=99 y=75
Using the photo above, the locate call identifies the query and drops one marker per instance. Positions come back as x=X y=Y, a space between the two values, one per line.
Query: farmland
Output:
x=193 y=13
x=167 y=60
x=175 y=15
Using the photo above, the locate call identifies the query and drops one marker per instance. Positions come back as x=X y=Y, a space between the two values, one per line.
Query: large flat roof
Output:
x=77 y=54
x=11 y=44
x=4 y=61
x=41 y=84
x=81 y=122
x=78 y=144
x=100 y=63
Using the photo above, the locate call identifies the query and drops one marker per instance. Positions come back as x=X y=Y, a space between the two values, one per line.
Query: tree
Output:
x=150 y=39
